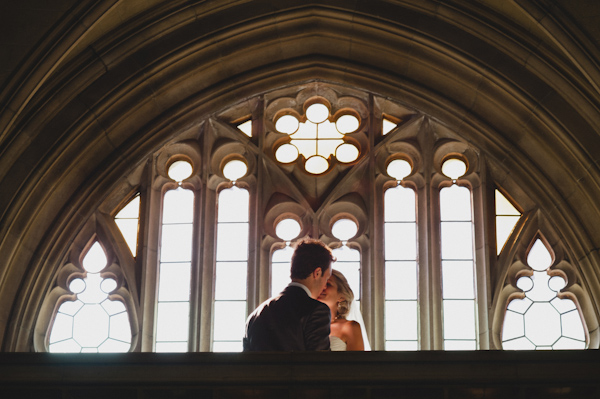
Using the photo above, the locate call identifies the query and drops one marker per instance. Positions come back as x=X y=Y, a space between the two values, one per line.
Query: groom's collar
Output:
x=305 y=288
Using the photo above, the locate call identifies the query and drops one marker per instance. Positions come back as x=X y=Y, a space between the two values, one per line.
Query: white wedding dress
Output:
x=337 y=344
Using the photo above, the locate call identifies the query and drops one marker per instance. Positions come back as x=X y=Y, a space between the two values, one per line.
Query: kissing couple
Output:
x=311 y=313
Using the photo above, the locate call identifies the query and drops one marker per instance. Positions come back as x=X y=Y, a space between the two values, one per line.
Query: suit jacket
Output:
x=290 y=321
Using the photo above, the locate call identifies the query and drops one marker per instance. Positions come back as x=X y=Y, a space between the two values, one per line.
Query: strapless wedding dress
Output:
x=337 y=344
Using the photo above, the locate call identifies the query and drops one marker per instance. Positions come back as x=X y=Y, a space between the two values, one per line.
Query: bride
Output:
x=345 y=334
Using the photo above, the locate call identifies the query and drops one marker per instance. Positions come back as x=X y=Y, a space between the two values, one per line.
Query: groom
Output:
x=294 y=320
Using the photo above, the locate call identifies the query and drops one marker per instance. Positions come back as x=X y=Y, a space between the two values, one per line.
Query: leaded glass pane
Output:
x=230 y=320
x=401 y=241
x=401 y=280
x=401 y=321
x=232 y=241
x=459 y=319
x=173 y=322
x=174 y=282
x=178 y=206
x=455 y=203
x=176 y=244
x=457 y=241
x=231 y=280
x=457 y=280
x=399 y=205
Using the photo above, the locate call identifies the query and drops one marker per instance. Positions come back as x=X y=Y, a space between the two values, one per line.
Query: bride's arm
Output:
x=354 y=337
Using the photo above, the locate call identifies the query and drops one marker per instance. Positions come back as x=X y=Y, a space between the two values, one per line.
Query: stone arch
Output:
x=103 y=107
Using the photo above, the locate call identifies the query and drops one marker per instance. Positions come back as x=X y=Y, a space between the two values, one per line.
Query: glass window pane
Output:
x=457 y=280
x=305 y=147
x=518 y=344
x=119 y=328
x=178 y=206
x=572 y=327
x=457 y=241
x=568 y=343
x=68 y=346
x=401 y=345
x=563 y=305
x=92 y=294
x=113 y=346
x=174 y=282
x=226 y=346
x=280 y=277
x=401 y=320
x=455 y=203
x=70 y=307
x=233 y=205
x=459 y=319
x=176 y=244
x=514 y=326
x=503 y=205
x=113 y=307
x=232 y=241
x=173 y=321
x=230 y=320
x=399 y=205
x=504 y=226
x=62 y=328
x=460 y=345
x=90 y=326
x=400 y=241
x=540 y=291
x=171 y=347
x=283 y=254
x=401 y=280
x=519 y=305
x=129 y=230
x=346 y=254
x=230 y=282
x=131 y=210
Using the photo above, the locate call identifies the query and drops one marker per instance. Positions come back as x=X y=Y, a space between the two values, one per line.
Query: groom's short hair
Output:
x=309 y=255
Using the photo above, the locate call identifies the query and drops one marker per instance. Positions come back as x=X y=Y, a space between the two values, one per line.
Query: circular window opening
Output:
x=180 y=170
x=454 y=168
x=344 y=229
x=288 y=229
x=235 y=169
x=399 y=169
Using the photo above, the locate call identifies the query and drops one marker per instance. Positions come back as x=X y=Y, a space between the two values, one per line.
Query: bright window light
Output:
x=317 y=139
x=346 y=153
x=180 y=170
x=235 y=169
x=286 y=153
x=454 y=168
x=542 y=320
x=316 y=165
x=347 y=124
x=128 y=221
x=287 y=124
x=399 y=169
x=288 y=229
x=246 y=127
x=344 y=229
x=388 y=126
x=317 y=113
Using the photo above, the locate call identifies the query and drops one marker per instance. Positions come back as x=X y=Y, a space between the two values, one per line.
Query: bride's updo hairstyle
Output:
x=345 y=291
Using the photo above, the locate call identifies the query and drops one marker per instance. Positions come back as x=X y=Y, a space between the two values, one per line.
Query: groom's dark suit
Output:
x=290 y=321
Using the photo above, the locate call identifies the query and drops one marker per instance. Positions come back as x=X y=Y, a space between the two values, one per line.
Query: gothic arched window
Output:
x=438 y=245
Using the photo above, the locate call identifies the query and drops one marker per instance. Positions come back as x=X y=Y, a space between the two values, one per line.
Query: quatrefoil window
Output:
x=317 y=139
